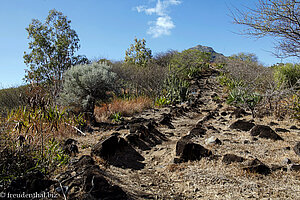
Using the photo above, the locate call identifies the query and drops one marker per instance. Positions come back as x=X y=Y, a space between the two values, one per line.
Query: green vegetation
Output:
x=189 y=63
x=84 y=84
x=287 y=74
x=65 y=90
x=138 y=54
x=52 y=47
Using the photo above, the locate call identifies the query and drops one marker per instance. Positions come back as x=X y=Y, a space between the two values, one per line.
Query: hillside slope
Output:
x=202 y=149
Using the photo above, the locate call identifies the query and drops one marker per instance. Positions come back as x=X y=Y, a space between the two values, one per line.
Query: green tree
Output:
x=138 y=54
x=275 y=18
x=52 y=46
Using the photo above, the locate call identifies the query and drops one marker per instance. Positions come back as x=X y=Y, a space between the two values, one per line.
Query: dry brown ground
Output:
x=207 y=178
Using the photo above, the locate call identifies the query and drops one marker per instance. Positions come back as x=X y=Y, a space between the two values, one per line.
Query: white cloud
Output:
x=163 y=23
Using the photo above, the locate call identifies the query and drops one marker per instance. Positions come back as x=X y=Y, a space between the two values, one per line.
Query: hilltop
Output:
x=214 y=55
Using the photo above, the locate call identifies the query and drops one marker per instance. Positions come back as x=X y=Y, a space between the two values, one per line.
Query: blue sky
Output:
x=107 y=28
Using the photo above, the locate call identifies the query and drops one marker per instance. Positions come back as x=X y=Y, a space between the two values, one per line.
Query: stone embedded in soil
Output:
x=84 y=160
x=213 y=140
x=242 y=125
x=189 y=151
x=239 y=112
x=256 y=166
x=96 y=186
x=263 y=131
x=273 y=124
x=197 y=132
x=278 y=168
x=295 y=167
x=70 y=147
x=286 y=161
x=166 y=120
x=230 y=158
x=281 y=130
x=294 y=127
x=145 y=137
x=297 y=148
x=117 y=152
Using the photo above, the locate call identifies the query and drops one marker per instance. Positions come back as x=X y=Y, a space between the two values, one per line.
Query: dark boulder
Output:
x=242 y=125
x=263 y=131
x=230 y=158
x=166 y=120
x=256 y=166
x=294 y=127
x=70 y=147
x=97 y=187
x=189 y=151
x=145 y=137
x=116 y=151
x=197 y=132
x=84 y=160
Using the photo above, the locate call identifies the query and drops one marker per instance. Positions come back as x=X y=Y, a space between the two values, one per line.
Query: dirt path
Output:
x=207 y=178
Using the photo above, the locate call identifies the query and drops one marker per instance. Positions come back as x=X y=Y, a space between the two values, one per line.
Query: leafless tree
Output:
x=276 y=18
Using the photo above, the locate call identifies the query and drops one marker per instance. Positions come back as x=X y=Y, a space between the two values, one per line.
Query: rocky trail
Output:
x=201 y=149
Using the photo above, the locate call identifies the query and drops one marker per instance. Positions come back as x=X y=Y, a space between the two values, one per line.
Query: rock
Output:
x=70 y=147
x=189 y=151
x=246 y=142
x=239 y=112
x=295 y=167
x=116 y=151
x=256 y=166
x=286 y=161
x=84 y=160
x=242 y=125
x=197 y=132
x=278 y=167
x=224 y=113
x=287 y=148
x=297 y=148
x=273 y=124
x=281 y=130
x=107 y=148
x=166 y=120
x=144 y=138
x=229 y=158
x=294 y=127
x=97 y=187
x=213 y=140
x=263 y=131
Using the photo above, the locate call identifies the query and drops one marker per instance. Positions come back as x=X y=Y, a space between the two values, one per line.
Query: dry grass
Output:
x=126 y=107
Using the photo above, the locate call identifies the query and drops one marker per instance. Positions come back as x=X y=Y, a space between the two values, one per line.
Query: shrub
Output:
x=189 y=62
x=84 y=84
x=38 y=151
x=164 y=59
x=287 y=74
x=141 y=81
